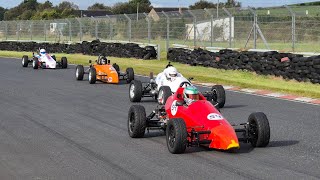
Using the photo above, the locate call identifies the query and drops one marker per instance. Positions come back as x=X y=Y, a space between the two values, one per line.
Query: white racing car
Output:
x=166 y=83
x=44 y=60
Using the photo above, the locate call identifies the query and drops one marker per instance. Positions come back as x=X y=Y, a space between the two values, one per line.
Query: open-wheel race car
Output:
x=166 y=83
x=44 y=60
x=103 y=71
x=196 y=122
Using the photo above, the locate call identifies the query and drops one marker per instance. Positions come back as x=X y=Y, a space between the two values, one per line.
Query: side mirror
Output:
x=151 y=75
x=191 y=78
x=108 y=61
x=90 y=61
x=179 y=103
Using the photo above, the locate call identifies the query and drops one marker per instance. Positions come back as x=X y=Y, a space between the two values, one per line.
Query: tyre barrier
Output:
x=286 y=65
x=96 y=47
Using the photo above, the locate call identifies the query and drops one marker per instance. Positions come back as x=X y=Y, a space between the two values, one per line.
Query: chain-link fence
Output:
x=280 y=28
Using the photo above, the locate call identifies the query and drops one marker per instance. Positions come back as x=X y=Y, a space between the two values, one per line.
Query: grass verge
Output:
x=200 y=74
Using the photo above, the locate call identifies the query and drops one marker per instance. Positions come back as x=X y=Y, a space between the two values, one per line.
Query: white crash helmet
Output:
x=42 y=51
x=171 y=73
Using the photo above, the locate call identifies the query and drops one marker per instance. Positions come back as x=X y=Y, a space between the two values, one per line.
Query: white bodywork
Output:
x=50 y=63
x=161 y=80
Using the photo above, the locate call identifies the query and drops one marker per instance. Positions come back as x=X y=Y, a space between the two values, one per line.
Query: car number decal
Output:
x=214 y=116
x=174 y=108
x=110 y=79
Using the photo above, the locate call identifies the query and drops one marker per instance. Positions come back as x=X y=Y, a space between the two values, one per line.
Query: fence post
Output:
x=168 y=31
x=31 y=25
x=111 y=27
x=44 y=30
x=129 y=27
x=254 y=28
x=80 y=28
x=293 y=26
x=18 y=30
x=95 y=27
x=149 y=27
x=230 y=26
x=70 y=28
x=6 y=29
x=194 y=28
x=211 y=26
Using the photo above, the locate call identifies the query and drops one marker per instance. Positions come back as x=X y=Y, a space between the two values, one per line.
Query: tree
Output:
x=99 y=6
x=131 y=7
x=44 y=6
x=232 y=3
x=67 y=5
x=202 y=4
x=121 y=8
x=2 y=11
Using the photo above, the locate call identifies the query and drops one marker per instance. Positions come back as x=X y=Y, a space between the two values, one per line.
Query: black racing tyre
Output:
x=92 y=75
x=116 y=67
x=79 y=72
x=25 y=61
x=35 y=63
x=137 y=121
x=219 y=95
x=163 y=94
x=259 y=129
x=54 y=57
x=64 y=62
x=135 y=91
x=130 y=74
x=176 y=136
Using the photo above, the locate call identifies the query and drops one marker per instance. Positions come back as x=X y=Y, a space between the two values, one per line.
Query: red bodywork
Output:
x=202 y=116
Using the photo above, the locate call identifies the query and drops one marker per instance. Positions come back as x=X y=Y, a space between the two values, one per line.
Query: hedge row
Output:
x=287 y=65
x=129 y=50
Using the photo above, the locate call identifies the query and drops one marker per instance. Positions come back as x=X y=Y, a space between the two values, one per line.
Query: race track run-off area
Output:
x=54 y=127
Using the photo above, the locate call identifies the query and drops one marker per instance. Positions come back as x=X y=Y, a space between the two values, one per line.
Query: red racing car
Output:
x=190 y=120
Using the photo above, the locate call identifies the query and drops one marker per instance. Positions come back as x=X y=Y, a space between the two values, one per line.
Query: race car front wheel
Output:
x=218 y=95
x=137 y=121
x=176 y=135
x=258 y=129
x=92 y=75
x=25 y=61
x=79 y=72
x=130 y=74
x=135 y=91
x=164 y=94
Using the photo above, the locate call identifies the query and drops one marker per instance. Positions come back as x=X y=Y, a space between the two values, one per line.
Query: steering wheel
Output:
x=185 y=83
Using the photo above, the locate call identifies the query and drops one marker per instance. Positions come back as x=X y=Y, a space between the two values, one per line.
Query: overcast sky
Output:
x=83 y=4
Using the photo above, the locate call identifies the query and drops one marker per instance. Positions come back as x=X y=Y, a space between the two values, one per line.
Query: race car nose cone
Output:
x=223 y=137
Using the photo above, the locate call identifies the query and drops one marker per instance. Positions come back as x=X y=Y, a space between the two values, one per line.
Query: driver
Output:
x=171 y=73
x=103 y=60
x=42 y=52
x=190 y=94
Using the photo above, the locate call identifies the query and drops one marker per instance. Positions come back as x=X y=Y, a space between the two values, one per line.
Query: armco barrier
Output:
x=287 y=65
x=128 y=50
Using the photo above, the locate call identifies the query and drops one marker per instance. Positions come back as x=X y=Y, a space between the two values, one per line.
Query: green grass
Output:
x=201 y=74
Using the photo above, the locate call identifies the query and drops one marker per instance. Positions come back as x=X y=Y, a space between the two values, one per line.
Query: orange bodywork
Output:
x=106 y=73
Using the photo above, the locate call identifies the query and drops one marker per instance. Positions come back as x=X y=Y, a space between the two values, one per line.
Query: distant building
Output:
x=173 y=11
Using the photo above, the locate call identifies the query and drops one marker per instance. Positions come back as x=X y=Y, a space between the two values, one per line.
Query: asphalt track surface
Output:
x=54 y=127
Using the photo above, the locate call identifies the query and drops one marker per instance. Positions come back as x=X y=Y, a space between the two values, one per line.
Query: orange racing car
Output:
x=103 y=71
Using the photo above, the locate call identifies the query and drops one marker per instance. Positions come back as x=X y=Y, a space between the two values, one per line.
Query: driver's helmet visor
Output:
x=193 y=96
x=173 y=74
x=43 y=52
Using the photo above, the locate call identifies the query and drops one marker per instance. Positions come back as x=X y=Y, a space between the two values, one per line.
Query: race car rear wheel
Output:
x=64 y=62
x=176 y=136
x=25 y=61
x=116 y=67
x=218 y=95
x=258 y=129
x=92 y=75
x=137 y=121
x=164 y=94
x=130 y=74
x=135 y=91
x=79 y=72
x=35 y=63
